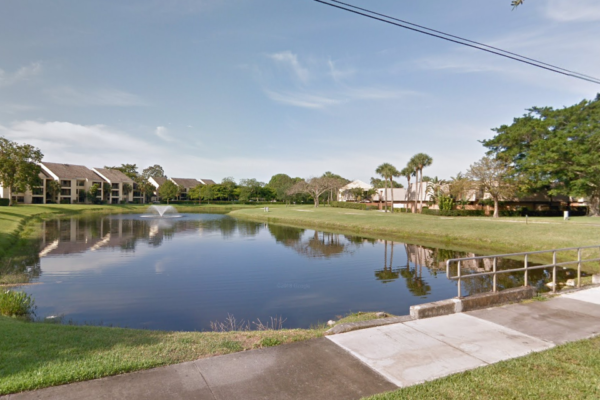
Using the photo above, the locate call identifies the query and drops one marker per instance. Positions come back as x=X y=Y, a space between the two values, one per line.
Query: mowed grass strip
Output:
x=37 y=355
x=571 y=371
x=471 y=234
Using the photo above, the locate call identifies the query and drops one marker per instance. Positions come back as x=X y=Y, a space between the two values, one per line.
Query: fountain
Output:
x=161 y=212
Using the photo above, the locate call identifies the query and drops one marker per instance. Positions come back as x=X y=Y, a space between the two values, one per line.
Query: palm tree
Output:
x=407 y=172
x=420 y=161
x=387 y=171
x=382 y=170
x=434 y=188
x=393 y=172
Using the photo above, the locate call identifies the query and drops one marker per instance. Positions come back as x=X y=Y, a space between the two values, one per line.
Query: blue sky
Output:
x=248 y=89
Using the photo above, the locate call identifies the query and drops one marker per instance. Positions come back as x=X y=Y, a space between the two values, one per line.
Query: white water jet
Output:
x=161 y=212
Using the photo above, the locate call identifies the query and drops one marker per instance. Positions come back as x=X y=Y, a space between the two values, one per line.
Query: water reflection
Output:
x=79 y=235
x=184 y=273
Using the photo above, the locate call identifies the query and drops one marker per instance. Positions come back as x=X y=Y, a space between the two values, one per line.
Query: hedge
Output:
x=4 y=202
x=454 y=213
x=354 y=206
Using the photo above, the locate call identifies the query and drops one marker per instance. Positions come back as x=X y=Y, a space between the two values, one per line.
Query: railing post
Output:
x=525 y=265
x=458 y=275
x=579 y=267
x=495 y=275
x=554 y=271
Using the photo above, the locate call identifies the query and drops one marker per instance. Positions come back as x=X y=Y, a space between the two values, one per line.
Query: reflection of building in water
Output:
x=78 y=235
x=420 y=256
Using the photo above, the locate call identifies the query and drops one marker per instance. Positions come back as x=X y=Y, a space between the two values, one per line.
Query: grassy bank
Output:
x=472 y=234
x=571 y=371
x=37 y=355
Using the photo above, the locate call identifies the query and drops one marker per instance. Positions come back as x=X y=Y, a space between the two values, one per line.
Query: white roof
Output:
x=356 y=184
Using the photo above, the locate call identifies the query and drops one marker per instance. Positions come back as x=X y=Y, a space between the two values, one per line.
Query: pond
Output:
x=181 y=274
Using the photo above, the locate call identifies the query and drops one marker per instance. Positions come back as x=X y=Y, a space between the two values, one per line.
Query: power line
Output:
x=459 y=40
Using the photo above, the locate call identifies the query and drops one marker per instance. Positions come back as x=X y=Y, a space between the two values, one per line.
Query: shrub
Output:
x=4 y=202
x=15 y=304
x=270 y=342
x=354 y=206
x=455 y=213
x=65 y=201
x=446 y=203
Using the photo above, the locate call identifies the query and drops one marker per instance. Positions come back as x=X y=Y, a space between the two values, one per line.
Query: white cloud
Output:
x=97 y=97
x=85 y=144
x=339 y=74
x=163 y=133
x=291 y=60
x=22 y=74
x=573 y=10
x=302 y=100
x=335 y=97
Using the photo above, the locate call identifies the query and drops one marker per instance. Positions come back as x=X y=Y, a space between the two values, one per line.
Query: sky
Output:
x=253 y=88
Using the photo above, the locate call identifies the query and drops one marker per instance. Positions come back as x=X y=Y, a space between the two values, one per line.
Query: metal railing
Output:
x=525 y=269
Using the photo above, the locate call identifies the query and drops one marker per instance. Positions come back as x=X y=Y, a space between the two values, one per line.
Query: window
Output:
x=65 y=183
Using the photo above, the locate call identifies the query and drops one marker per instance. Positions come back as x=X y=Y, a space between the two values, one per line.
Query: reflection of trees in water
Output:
x=318 y=244
x=285 y=235
x=321 y=244
x=229 y=226
x=25 y=264
x=435 y=260
x=420 y=257
x=387 y=274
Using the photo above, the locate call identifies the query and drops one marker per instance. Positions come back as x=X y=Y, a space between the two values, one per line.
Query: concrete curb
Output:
x=470 y=303
x=353 y=326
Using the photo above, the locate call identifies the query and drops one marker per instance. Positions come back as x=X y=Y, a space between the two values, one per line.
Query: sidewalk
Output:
x=359 y=363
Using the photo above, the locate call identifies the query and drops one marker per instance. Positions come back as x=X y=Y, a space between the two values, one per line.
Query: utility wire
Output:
x=462 y=41
x=461 y=38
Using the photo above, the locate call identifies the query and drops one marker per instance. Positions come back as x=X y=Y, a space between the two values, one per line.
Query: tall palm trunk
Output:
x=408 y=191
x=385 y=193
x=385 y=256
x=416 y=190
x=392 y=191
x=420 y=191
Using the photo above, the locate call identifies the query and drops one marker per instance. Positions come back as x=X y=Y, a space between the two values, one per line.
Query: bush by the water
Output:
x=15 y=304
x=354 y=206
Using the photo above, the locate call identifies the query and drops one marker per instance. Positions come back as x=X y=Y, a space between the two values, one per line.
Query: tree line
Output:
x=555 y=151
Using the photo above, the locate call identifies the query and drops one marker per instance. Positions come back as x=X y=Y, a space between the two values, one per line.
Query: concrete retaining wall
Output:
x=474 y=302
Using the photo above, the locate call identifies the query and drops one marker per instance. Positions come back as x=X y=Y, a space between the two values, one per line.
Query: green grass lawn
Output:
x=571 y=371
x=471 y=234
x=37 y=355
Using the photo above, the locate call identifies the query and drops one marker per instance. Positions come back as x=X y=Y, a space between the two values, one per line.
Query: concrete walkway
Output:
x=359 y=363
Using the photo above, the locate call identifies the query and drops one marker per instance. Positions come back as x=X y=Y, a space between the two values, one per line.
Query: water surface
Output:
x=181 y=274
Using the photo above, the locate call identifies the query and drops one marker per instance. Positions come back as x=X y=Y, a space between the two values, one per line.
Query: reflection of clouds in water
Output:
x=159 y=223
x=160 y=266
